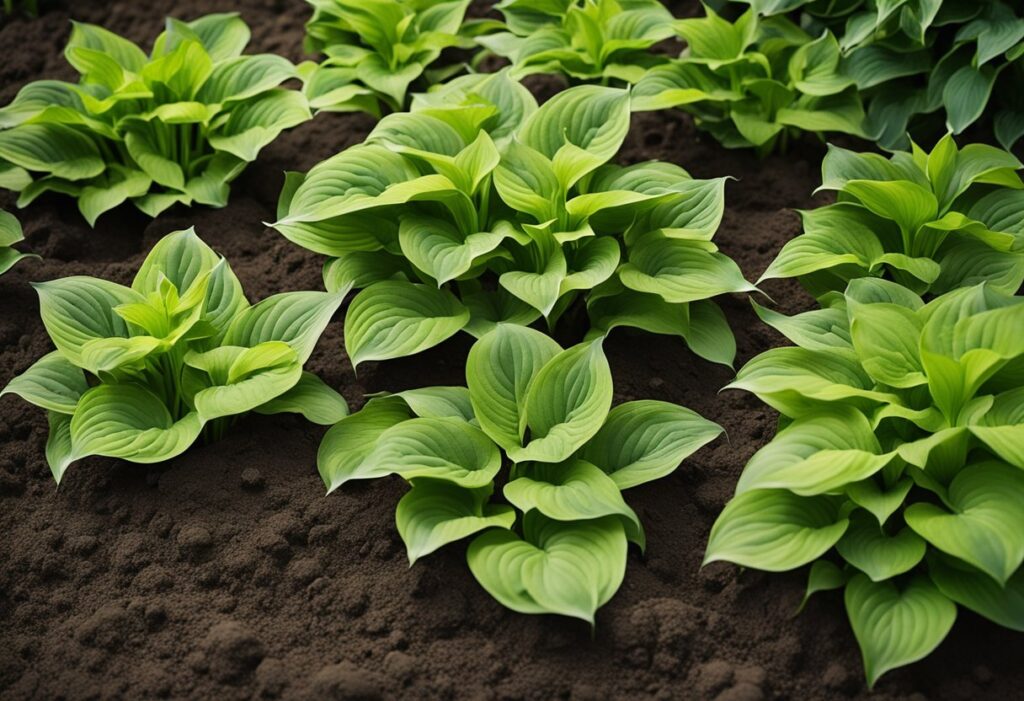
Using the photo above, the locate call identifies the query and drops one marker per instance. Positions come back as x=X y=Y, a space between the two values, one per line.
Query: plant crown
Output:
x=755 y=82
x=173 y=127
x=953 y=60
x=559 y=543
x=478 y=207
x=589 y=40
x=141 y=371
x=931 y=221
x=375 y=49
x=901 y=448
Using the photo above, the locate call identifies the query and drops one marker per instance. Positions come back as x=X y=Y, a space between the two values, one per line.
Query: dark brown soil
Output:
x=227 y=574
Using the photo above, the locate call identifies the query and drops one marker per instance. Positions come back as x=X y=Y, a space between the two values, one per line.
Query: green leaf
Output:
x=312 y=398
x=439 y=249
x=56 y=149
x=680 y=271
x=895 y=627
x=295 y=318
x=986 y=528
x=645 y=440
x=774 y=530
x=51 y=382
x=129 y=422
x=58 y=444
x=77 y=310
x=181 y=257
x=979 y=592
x=566 y=403
x=875 y=553
x=886 y=338
x=908 y=204
x=438 y=402
x=499 y=371
x=574 y=490
x=571 y=569
x=243 y=378
x=254 y=123
x=817 y=454
x=393 y=318
x=881 y=503
x=435 y=513
x=823 y=576
x=446 y=448
x=345 y=447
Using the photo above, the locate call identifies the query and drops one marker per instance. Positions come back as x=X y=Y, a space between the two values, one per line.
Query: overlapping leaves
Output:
x=558 y=541
x=900 y=450
x=478 y=207
x=931 y=221
x=176 y=126
x=755 y=82
x=590 y=40
x=10 y=234
x=958 y=61
x=375 y=49
x=140 y=372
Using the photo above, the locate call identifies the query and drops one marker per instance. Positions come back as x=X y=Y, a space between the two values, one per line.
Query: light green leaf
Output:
x=51 y=382
x=77 y=310
x=645 y=440
x=129 y=422
x=243 y=378
x=774 y=530
x=312 y=398
x=58 y=444
x=979 y=592
x=345 y=447
x=566 y=404
x=295 y=318
x=570 y=569
x=393 y=318
x=986 y=528
x=499 y=370
x=875 y=553
x=895 y=627
x=571 y=491
x=435 y=513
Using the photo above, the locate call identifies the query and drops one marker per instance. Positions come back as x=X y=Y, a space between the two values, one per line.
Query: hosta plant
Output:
x=587 y=40
x=931 y=221
x=557 y=540
x=375 y=49
x=141 y=372
x=898 y=469
x=957 y=61
x=176 y=126
x=10 y=234
x=755 y=82
x=478 y=207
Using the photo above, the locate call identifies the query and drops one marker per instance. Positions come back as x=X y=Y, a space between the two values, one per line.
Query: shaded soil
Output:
x=226 y=573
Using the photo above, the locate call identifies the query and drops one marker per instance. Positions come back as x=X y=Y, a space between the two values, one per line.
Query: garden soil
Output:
x=227 y=573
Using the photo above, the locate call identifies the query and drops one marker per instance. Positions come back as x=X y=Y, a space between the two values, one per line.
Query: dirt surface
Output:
x=227 y=574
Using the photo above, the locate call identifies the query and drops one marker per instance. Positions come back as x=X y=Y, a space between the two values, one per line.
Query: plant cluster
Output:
x=10 y=234
x=175 y=126
x=478 y=207
x=375 y=49
x=587 y=40
x=141 y=372
x=931 y=221
x=913 y=58
x=559 y=543
x=900 y=449
x=755 y=82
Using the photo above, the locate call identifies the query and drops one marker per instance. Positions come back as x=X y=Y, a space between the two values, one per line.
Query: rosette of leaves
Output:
x=557 y=542
x=478 y=207
x=176 y=126
x=141 y=372
x=755 y=82
x=375 y=49
x=955 y=60
x=897 y=470
x=10 y=234
x=586 y=40
x=930 y=221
